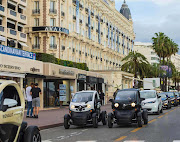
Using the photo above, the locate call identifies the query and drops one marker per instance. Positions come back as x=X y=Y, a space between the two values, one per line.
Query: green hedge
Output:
x=51 y=59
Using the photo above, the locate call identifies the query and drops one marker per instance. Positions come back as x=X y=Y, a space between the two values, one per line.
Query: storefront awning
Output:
x=9 y=74
x=23 y=44
x=2 y=38
x=35 y=75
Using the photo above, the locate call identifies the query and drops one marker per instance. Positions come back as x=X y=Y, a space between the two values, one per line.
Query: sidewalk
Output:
x=54 y=117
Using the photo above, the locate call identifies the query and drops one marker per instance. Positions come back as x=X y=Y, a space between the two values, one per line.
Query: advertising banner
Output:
x=166 y=71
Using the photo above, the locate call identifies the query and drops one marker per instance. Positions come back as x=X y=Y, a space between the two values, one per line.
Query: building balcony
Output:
x=22 y=19
x=11 y=33
x=22 y=37
x=36 y=11
x=2 y=10
x=52 y=11
x=12 y=14
x=23 y=2
x=2 y=30
x=35 y=46
x=53 y=46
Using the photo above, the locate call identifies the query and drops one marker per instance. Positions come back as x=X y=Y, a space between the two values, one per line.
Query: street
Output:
x=161 y=128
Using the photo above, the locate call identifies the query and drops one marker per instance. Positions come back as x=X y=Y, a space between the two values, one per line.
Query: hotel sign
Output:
x=17 y=52
x=10 y=67
x=49 y=28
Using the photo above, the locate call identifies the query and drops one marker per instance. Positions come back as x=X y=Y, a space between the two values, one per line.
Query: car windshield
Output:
x=83 y=97
x=148 y=94
x=126 y=96
x=163 y=95
x=170 y=94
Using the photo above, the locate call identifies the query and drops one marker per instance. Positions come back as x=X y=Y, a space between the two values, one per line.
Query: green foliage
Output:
x=51 y=59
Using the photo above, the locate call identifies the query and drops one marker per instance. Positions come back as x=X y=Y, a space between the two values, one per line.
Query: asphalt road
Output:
x=161 y=128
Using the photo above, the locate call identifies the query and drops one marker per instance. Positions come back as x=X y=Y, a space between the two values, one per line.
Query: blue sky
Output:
x=151 y=16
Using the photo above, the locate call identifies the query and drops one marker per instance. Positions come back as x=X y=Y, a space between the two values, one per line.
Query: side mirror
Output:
x=159 y=96
x=142 y=99
x=9 y=103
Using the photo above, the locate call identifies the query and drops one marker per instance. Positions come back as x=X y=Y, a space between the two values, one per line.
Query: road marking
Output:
x=86 y=141
x=47 y=141
x=135 y=130
x=161 y=116
x=152 y=121
x=176 y=141
x=121 y=138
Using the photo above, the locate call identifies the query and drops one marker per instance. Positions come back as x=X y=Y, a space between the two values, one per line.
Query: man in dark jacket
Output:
x=101 y=95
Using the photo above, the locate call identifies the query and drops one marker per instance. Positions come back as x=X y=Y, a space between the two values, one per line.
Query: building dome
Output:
x=125 y=11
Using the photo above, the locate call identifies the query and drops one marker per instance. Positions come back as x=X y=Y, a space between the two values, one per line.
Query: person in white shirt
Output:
x=29 y=100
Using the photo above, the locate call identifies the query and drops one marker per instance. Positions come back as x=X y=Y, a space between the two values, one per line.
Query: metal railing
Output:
x=52 y=11
x=36 y=11
x=36 y=46
x=53 y=46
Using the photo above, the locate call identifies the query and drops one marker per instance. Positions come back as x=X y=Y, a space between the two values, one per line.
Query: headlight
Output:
x=88 y=106
x=133 y=104
x=116 y=105
x=72 y=106
x=152 y=102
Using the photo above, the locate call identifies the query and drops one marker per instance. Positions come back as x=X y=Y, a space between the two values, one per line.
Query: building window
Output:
x=52 y=22
x=36 y=5
x=36 y=22
x=52 y=5
x=53 y=40
x=36 y=40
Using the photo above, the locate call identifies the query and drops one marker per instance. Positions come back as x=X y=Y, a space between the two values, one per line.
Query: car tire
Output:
x=95 y=120
x=110 y=120
x=139 y=121
x=104 y=118
x=158 y=112
x=161 y=110
x=66 y=121
x=145 y=117
x=32 y=134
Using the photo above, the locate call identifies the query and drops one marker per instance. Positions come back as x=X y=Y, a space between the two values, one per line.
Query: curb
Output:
x=51 y=126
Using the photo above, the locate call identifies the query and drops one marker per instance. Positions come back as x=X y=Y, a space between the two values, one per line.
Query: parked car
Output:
x=152 y=102
x=85 y=108
x=127 y=109
x=178 y=97
x=165 y=100
x=12 y=105
x=173 y=97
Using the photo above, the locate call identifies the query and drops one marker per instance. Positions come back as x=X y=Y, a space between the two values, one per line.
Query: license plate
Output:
x=172 y=102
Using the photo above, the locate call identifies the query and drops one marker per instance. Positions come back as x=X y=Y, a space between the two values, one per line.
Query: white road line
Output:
x=86 y=141
x=176 y=141
x=47 y=141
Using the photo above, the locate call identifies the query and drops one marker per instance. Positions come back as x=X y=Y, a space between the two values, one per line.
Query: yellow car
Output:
x=12 y=105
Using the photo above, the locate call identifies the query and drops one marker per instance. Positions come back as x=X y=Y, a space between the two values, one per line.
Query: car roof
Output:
x=148 y=91
x=131 y=89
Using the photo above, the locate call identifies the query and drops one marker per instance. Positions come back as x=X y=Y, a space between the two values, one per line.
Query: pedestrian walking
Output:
x=29 y=100
x=35 y=91
x=102 y=97
x=56 y=97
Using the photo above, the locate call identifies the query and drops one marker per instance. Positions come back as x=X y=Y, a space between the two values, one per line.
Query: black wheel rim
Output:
x=36 y=138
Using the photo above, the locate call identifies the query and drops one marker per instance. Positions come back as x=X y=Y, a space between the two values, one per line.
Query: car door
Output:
x=159 y=101
x=11 y=117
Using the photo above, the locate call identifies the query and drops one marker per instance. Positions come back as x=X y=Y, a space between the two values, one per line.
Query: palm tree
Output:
x=135 y=63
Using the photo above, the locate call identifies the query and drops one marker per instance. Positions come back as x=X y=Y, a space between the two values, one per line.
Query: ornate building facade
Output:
x=86 y=31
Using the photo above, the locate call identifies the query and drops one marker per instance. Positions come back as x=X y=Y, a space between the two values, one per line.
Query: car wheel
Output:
x=95 y=120
x=67 y=121
x=158 y=112
x=139 y=121
x=110 y=120
x=104 y=118
x=32 y=134
x=161 y=110
x=145 y=117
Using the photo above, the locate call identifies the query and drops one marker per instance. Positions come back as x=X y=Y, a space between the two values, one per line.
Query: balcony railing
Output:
x=13 y=32
x=23 y=17
x=1 y=28
x=36 y=46
x=1 y=8
x=22 y=35
x=12 y=12
x=53 y=46
x=52 y=11
x=36 y=11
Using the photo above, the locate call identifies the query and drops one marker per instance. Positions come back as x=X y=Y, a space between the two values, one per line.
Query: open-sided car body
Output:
x=12 y=105
x=127 y=109
x=85 y=108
